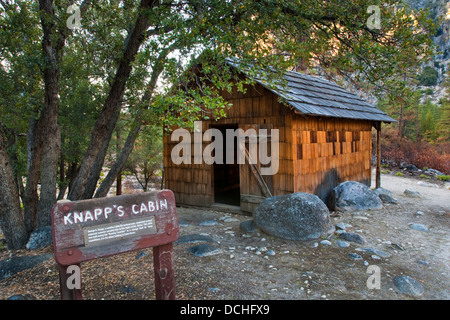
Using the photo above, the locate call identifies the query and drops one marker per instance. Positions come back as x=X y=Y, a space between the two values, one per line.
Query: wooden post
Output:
x=164 y=277
x=378 y=159
x=66 y=293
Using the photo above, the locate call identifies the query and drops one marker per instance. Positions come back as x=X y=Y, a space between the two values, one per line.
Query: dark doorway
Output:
x=226 y=176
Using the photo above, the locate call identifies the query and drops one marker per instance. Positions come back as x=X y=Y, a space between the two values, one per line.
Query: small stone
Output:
x=418 y=227
x=193 y=238
x=342 y=244
x=341 y=226
x=419 y=213
x=408 y=286
x=397 y=246
x=208 y=223
x=203 y=250
x=325 y=242
x=355 y=256
x=141 y=254
x=270 y=252
x=352 y=237
x=247 y=226
x=424 y=262
x=22 y=297
x=411 y=193
x=213 y=289
x=127 y=289
x=377 y=252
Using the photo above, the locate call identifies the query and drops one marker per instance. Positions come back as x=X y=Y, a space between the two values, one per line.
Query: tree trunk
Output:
x=52 y=50
x=106 y=184
x=34 y=149
x=100 y=133
x=11 y=221
x=100 y=159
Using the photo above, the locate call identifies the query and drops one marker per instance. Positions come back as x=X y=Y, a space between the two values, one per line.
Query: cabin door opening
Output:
x=226 y=176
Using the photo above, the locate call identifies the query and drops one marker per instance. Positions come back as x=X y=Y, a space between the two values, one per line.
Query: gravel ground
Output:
x=249 y=266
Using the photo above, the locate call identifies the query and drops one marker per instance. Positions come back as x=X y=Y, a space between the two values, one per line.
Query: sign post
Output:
x=91 y=229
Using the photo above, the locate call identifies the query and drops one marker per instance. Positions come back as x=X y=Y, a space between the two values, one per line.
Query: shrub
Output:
x=444 y=177
x=428 y=77
x=399 y=174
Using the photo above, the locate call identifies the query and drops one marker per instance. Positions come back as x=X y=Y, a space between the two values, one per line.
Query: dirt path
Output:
x=255 y=265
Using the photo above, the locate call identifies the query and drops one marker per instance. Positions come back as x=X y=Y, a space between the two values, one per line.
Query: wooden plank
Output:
x=254 y=170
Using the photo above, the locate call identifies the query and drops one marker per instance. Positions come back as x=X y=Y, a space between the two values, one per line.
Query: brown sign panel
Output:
x=95 y=228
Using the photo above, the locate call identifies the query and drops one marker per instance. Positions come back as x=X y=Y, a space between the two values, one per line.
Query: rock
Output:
x=270 y=253
x=127 y=289
x=419 y=213
x=40 y=238
x=140 y=255
x=411 y=193
x=418 y=227
x=247 y=226
x=434 y=172
x=343 y=244
x=424 y=262
x=409 y=167
x=203 y=250
x=397 y=246
x=13 y=265
x=408 y=285
x=427 y=184
x=22 y=297
x=352 y=237
x=296 y=216
x=380 y=190
x=209 y=223
x=194 y=238
x=183 y=223
x=377 y=252
x=342 y=226
x=387 y=199
x=352 y=195
x=355 y=256
x=325 y=242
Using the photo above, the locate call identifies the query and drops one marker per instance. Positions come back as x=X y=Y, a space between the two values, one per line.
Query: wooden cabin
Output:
x=325 y=138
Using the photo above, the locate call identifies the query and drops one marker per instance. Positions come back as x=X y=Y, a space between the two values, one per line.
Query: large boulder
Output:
x=352 y=195
x=297 y=216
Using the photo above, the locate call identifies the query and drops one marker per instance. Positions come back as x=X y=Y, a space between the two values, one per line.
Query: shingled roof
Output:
x=315 y=96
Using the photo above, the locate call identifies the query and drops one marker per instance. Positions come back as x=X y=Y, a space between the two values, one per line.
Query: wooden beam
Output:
x=254 y=169
x=378 y=156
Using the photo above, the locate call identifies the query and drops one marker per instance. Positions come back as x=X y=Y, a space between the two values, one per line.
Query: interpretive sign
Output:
x=96 y=228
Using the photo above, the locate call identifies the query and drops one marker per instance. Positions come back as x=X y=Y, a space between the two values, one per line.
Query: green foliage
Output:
x=399 y=174
x=444 y=177
x=145 y=162
x=428 y=77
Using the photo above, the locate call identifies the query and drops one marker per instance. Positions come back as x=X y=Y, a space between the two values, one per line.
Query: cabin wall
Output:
x=330 y=151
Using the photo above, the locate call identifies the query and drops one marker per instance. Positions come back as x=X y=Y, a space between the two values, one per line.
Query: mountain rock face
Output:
x=439 y=9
